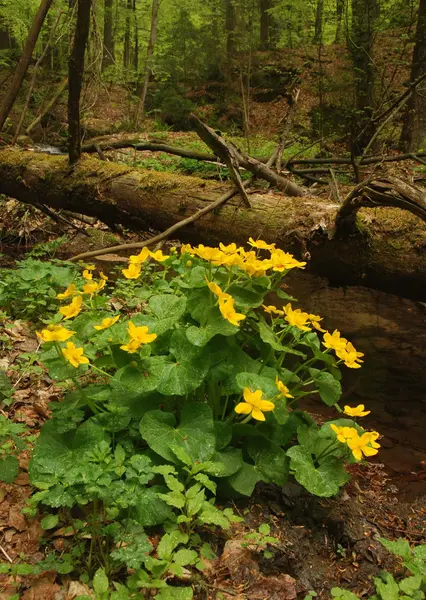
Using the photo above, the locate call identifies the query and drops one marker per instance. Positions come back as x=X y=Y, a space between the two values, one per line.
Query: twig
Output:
x=335 y=193
x=161 y=236
x=58 y=218
x=6 y=554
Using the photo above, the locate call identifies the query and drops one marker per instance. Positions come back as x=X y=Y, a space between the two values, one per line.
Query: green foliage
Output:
x=11 y=443
x=29 y=292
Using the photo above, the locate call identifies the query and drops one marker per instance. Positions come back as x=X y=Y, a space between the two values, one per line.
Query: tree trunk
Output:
x=361 y=42
x=413 y=134
x=62 y=87
x=230 y=28
x=340 y=5
x=22 y=68
x=149 y=55
x=139 y=199
x=319 y=19
x=108 y=51
x=75 y=76
x=265 y=22
x=136 y=52
x=126 y=53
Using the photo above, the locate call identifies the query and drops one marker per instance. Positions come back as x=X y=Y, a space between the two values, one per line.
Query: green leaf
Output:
x=268 y=336
x=400 y=547
x=185 y=557
x=212 y=515
x=410 y=585
x=216 y=325
x=258 y=382
x=270 y=460
x=168 y=309
x=324 y=481
x=225 y=463
x=264 y=529
x=243 y=296
x=420 y=551
x=175 y=593
x=188 y=370
x=223 y=433
x=49 y=522
x=9 y=468
x=340 y=594
x=244 y=480
x=100 y=582
x=55 y=454
x=329 y=388
x=144 y=379
x=195 y=433
x=387 y=587
x=149 y=508
x=169 y=542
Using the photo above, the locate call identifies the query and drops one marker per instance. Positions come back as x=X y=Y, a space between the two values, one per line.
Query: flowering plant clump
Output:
x=203 y=368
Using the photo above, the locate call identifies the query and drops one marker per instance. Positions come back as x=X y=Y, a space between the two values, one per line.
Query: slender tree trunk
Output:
x=75 y=75
x=149 y=55
x=413 y=133
x=108 y=50
x=265 y=24
x=22 y=68
x=230 y=27
x=340 y=5
x=361 y=42
x=126 y=53
x=136 y=52
x=319 y=20
x=62 y=87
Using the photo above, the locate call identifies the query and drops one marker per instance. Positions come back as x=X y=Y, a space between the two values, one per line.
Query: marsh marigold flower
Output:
x=282 y=261
x=55 y=333
x=107 y=322
x=103 y=276
x=356 y=411
x=343 y=433
x=260 y=244
x=73 y=309
x=272 y=310
x=226 y=307
x=254 y=405
x=333 y=341
x=217 y=290
x=138 y=259
x=158 y=256
x=282 y=388
x=75 y=355
x=133 y=271
x=316 y=322
x=297 y=318
x=138 y=337
x=363 y=445
x=93 y=287
x=69 y=292
x=350 y=356
x=87 y=275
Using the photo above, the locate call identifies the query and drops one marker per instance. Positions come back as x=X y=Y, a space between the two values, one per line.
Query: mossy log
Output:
x=386 y=250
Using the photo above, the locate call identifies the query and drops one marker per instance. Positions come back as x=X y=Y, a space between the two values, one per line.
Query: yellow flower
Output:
x=92 y=287
x=55 y=333
x=138 y=259
x=334 y=341
x=70 y=291
x=217 y=290
x=75 y=355
x=72 y=310
x=226 y=307
x=158 y=256
x=261 y=244
x=230 y=249
x=283 y=389
x=296 y=318
x=282 y=261
x=271 y=309
x=254 y=405
x=87 y=275
x=103 y=276
x=186 y=249
x=344 y=433
x=361 y=445
x=357 y=411
x=255 y=267
x=315 y=321
x=107 y=322
x=350 y=356
x=138 y=336
x=90 y=267
x=208 y=253
x=133 y=271
x=374 y=435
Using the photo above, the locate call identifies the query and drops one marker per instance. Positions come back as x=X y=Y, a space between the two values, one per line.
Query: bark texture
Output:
x=414 y=127
x=108 y=39
x=386 y=250
x=24 y=61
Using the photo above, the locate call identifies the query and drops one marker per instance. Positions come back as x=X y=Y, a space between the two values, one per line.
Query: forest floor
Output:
x=320 y=543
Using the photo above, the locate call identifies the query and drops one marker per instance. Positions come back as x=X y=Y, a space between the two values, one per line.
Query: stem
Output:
x=100 y=370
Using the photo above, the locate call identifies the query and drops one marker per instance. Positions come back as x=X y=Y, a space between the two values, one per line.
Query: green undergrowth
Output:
x=180 y=394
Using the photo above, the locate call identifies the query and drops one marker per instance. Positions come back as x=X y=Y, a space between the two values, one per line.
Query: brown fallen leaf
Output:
x=43 y=590
x=16 y=518
x=76 y=589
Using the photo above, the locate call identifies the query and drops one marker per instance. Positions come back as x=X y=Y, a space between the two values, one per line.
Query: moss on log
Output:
x=387 y=250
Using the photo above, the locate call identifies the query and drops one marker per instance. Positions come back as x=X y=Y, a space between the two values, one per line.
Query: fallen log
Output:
x=385 y=251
